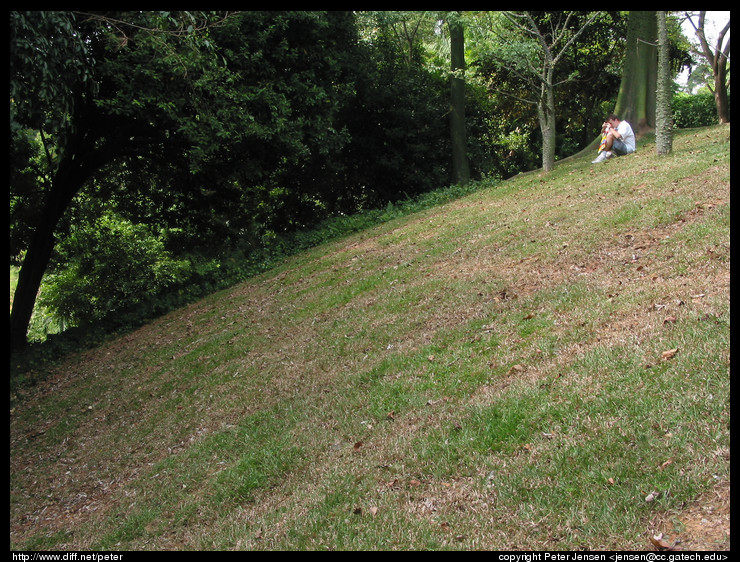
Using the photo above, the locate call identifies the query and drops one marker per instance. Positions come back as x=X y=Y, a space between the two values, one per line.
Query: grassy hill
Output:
x=540 y=365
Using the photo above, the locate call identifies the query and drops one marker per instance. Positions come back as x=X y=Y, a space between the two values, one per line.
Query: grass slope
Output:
x=540 y=365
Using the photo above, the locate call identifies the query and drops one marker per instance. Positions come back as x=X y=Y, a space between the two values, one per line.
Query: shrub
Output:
x=697 y=110
x=108 y=266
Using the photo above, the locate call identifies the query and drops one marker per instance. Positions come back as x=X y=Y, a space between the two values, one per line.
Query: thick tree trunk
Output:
x=82 y=158
x=38 y=254
x=29 y=280
x=720 y=97
x=636 y=100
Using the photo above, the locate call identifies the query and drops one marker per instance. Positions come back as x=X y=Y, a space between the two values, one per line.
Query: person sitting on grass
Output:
x=619 y=139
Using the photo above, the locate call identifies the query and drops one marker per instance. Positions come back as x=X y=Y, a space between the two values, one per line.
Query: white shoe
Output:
x=603 y=155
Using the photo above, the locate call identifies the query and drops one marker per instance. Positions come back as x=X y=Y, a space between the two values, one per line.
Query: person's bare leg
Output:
x=609 y=141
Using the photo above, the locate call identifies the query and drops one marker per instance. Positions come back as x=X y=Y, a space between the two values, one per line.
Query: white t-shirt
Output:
x=628 y=136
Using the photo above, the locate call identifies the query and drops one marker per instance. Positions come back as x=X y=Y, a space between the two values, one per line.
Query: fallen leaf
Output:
x=373 y=510
x=670 y=354
x=358 y=445
x=666 y=463
x=516 y=369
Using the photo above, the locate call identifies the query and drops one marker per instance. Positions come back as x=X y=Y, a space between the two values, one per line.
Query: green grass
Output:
x=488 y=373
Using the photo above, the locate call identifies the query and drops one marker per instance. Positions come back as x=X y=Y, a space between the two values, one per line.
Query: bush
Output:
x=108 y=266
x=697 y=110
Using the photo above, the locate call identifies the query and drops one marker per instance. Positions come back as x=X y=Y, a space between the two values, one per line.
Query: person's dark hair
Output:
x=613 y=116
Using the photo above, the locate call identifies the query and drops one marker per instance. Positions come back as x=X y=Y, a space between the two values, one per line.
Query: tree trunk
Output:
x=718 y=60
x=663 y=119
x=636 y=100
x=29 y=280
x=546 y=117
x=720 y=96
x=66 y=185
x=83 y=156
x=460 y=164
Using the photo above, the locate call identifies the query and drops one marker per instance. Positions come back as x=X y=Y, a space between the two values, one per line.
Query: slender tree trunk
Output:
x=546 y=117
x=460 y=164
x=636 y=100
x=663 y=119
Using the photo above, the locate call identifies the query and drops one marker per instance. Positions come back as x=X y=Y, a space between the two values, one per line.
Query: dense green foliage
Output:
x=109 y=264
